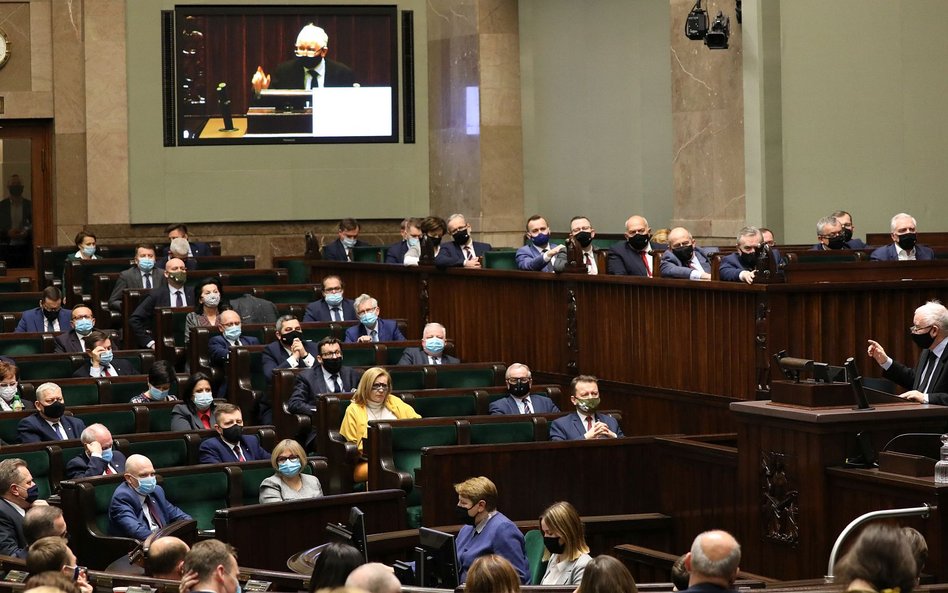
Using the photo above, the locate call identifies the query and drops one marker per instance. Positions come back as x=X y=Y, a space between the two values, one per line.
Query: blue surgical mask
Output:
x=155 y=393
x=435 y=345
x=232 y=333
x=333 y=299
x=203 y=400
x=290 y=467
x=106 y=357
x=369 y=318
x=414 y=242
x=89 y=251
x=146 y=485
x=349 y=243
x=541 y=239
x=146 y=264
x=107 y=454
x=84 y=326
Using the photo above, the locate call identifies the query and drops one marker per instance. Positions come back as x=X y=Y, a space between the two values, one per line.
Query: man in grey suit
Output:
x=329 y=376
x=141 y=275
x=432 y=348
x=684 y=259
x=519 y=400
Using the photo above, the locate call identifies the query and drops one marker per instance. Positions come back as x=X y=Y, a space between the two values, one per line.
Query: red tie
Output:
x=205 y=419
x=240 y=456
x=589 y=423
x=648 y=270
x=588 y=260
x=108 y=470
x=470 y=254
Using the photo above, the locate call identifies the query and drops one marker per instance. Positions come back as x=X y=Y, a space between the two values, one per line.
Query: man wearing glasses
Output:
x=830 y=233
x=927 y=382
x=327 y=376
x=462 y=250
x=519 y=400
x=582 y=232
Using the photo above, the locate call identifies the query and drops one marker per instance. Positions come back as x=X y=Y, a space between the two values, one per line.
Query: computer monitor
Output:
x=436 y=560
x=352 y=533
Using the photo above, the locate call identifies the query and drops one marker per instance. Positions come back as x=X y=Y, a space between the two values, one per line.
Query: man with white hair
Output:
x=432 y=348
x=904 y=246
x=310 y=68
x=713 y=562
x=374 y=577
x=741 y=265
x=519 y=400
x=98 y=458
x=371 y=327
x=49 y=422
x=927 y=382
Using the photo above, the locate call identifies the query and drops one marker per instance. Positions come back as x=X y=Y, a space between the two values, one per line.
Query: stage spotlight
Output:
x=696 y=25
x=716 y=37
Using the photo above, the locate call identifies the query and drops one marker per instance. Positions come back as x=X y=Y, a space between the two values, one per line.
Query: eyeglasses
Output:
x=518 y=380
x=283 y=458
x=325 y=355
x=379 y=386
x=78 y=317
x=833 y=236
x=332 y=290
x=915 y=329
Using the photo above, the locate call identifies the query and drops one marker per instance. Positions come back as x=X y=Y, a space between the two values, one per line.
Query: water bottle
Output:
x=17 y=404
x=941 y=468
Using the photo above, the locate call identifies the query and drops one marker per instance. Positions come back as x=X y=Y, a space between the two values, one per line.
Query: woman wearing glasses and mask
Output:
x=372 y=400
x=289 y=482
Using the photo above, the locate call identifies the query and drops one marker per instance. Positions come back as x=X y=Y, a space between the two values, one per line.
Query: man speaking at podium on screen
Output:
x=309 y=69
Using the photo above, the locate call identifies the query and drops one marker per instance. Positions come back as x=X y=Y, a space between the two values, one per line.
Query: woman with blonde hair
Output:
x=492 y=574
x=372 y=400
x=564 y=539
x=289 y=482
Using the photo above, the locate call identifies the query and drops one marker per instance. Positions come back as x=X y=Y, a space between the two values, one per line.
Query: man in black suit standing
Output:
x=141 y=275
x=633 y=257
x=98 y=458
x=329 y=376
x=341 y=248
x=173 y=294
x=332 y=307
x=18 y=492
x=16 y=224
x=309 y=69
x=928 y=381
x=432 y=348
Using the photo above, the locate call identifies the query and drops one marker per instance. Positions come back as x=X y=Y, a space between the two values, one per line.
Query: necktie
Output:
x=589 y=423
x=337 y=387
x=314 y=81
x=526 y=406
x=205 y=418
x=58 y=429
x=648 y=270
x=588 y=259
x=336 y=314
x=469 y=253
x=153 y=510
x=375 y=335
x=178 y=299
x=108 y=469
x=348 y=255
x=240 y=456
x=930 y=364
x=237 y=342
x=148 y=280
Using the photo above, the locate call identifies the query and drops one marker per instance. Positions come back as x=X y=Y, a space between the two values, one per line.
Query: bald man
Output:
x=713 y=562
x=173 y=294
x=166 y=558
x=218 y=347
x=139 y=506
x=684 y=259
x=309 y=69
x=374 y=578
x=633 y=257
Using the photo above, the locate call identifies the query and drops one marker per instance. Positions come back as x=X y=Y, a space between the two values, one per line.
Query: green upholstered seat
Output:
x=159 y=419
x=198 y=494
x=315 y=334
x=502 y=432
x=33 y=370
x=359 y=357
x=407 y=443
x=117 y=421
x=500 y=260
x=38 y=462
x=448 y=405
x=298 y=271
x=172 y=452
x=122 y=393
x=368 y=254
x=103 y=496
x=290 y=295
x=393 y=354
x=21 y=346
x=407 y=380
x=251 y=483
x=533 y=542
x=86 y=394
x=449 y=376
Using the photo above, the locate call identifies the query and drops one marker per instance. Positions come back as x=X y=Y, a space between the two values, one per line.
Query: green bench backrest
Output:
x=296 y=295
x=370 y=254
x=38 y=462
x=15 y=304
x=199 y=494
x=436 y=407
x=172 y=452
x=31 y=370
x=178 y=323
x=393 y=354
x=86 y=394
x=71 y=452
x=159 y=419
x=407 y=443
x=315 y=334
x=507 y=432
x=21 y=346
x=449 y=377
x=500 y=260
x=404 y=380
x=226 y=263
x=359 y=357
x=88 y=276
x=8 y=431
x=118 y=421
x=103 y=497
x=122 y=393
x=257 y=380
x=297 y=270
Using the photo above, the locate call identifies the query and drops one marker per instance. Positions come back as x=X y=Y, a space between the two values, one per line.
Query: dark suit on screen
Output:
x=291 y=75
x=120 y=366
x=311 y=383
x=891 y=253
x=387 y=329
x=570 y=428
x=540 y=404
x=452 y=255
x=417 y=356
x=320 y=311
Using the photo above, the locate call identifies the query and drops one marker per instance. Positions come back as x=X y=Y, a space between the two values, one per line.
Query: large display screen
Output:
x=285 y=74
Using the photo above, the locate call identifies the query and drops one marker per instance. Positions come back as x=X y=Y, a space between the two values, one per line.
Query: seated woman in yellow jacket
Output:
x=372 y=400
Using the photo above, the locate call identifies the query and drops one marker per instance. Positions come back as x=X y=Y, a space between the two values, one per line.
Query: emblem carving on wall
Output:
x=780 y=505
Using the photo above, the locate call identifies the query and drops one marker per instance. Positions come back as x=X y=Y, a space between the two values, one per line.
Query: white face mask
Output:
x=7 y=393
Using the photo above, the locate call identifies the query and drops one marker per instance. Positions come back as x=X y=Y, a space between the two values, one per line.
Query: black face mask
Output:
x=837 y=242
x=289 y=337
x=51 y=314
x=16 y=190
x=684 y=254
x=923 y=341
x=461 y=238
x=463 y=517
x=584 y=238
x=232 y=433
x=332 y=365
x=54 y=410
x=310 y=62
x=553 y=545
x=907 y=241
x=518 y=389
x=749 y=259
x=639 y=242
x=32 y=493
x=847 y=234
x=435 y=241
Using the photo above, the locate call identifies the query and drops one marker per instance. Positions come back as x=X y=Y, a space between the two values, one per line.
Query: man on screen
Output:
x=309 y=69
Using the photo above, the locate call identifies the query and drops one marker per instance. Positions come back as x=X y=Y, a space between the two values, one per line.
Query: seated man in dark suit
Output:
x=18 y=492
x=139 y=506
x=519 y=400
x=904 y=246
x=928 y=381
x=585 y=423
x=180 y=231
x=341 y=248
x=581 y=232
x=49 y=423
x=371 y=328
x=633 y=257
x=99 y=458
x=289 y=351
x=49 y=317
x=329 y=376
x=310 y=68
x=432 y=348
x=332 y=307
x=218 y=346
x=411 y=233
x=141 y=275
x=463 y=250
x=230 y=446
x=831 y=235
x=174 y=294
x=101 y=362
x=73 y=339
x=537 y=255
x=846 y=220
x=740 y=266
x=684 y=259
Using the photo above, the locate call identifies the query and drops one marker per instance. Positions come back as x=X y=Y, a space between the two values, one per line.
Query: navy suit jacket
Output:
x=570 y=428
x=451 y=254
x=274 y=357
x=83 y=466
x=127 y=519
x=215 y=450
x=623 y=260
x=672 y=268
x=69 y=342
x=395 y=254
x=122 y=367
x=311 y=383
x=319 y=311
x=731 y=268
x=530 y=258
x=388 y=331
x=891 y=253
x=33 y=321
x=12 y=540
x=336 y=251
x=219 y=350
x=541 y=404
x=132 y=278
x=33 y=429
x=419 y=356
x=141 y=319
